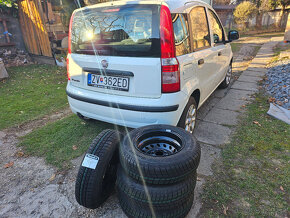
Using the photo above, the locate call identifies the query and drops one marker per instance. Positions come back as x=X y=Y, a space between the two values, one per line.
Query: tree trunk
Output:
x=281 y=17
x=259 y=20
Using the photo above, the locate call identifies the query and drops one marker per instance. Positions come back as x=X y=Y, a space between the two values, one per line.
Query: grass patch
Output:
x=253 y=177
x=236 y=47
x=63 y=140
x=31 y=92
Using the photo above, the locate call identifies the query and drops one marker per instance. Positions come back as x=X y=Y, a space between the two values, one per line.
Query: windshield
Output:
x=131 y=30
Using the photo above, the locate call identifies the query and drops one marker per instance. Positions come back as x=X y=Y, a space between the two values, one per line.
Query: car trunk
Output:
x=116 y=50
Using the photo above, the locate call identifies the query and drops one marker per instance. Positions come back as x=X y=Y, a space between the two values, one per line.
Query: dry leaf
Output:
x=281 y=188
x=74 y=147
x=257 y=123
x=243 y=105
x=10 y=164
x=271 y=100
x=52 y=177
x=19 y=154
x=225 y=209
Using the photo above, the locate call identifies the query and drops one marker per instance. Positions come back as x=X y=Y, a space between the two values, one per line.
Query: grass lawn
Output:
x=252 y=179
x=63 y=140
x=31 y=92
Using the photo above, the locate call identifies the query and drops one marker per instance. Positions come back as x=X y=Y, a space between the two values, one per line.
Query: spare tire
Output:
x=97 y=174
x=159 y=154
x=157 y=196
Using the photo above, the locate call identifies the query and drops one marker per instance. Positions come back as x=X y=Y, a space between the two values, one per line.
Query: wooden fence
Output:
x=33 y=29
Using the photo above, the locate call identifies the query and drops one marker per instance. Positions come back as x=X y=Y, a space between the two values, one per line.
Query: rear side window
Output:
x=181 y=35
x=130 y=30
x=200 y=28
x=218 y=33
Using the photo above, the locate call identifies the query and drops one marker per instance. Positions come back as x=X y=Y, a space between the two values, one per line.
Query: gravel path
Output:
x=277 y=83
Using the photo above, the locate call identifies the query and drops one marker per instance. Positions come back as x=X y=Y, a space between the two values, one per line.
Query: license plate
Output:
x=108 y=82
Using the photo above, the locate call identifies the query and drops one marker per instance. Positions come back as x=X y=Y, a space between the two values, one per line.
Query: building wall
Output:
x=13 y=28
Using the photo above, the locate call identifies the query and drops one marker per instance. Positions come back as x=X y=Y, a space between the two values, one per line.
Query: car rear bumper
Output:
x=127 y=111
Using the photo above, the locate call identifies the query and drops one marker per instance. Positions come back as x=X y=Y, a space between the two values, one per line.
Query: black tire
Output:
x=158 y=196
x=178 y=166
x=94 y=186
x=226 y=83
x=182 y=120
x=135 y=211
x=83 y=118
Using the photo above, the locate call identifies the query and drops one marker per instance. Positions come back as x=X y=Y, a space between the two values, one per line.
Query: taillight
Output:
x=67 y=68
x=69 y=45
x=169 y=64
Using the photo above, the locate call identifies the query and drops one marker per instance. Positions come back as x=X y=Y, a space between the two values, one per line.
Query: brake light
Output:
x=67 y=68
x=170 y=74
x=69 y=45
x=69 y=33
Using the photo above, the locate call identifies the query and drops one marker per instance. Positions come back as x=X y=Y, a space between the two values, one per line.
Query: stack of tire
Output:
x=157 y=176
x=155 y=168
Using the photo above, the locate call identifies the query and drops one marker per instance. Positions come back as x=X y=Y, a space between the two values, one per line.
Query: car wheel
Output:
x=188 y=118
x=97 y=174
x=86 y=119
x=159 y=154
x=156 y=196
x=228 y=78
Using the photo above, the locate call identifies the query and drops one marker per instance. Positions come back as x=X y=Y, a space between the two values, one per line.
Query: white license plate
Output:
x=108 y=82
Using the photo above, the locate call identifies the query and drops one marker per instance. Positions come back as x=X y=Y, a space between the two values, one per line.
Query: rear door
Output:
x=202 y=55
x=116 y=50
x=219 y=48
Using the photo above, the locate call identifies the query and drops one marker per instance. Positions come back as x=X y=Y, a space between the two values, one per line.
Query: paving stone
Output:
x=207 y=106
x=208 y=155
x=197 y=204
x=257 y=69
x=230 y=103
x=245 y=86
x=222 y=116
x=257 y=65
x=220 y=93
x=211 y=133
x=249 y=79
x=240 y=94
x=253 y=73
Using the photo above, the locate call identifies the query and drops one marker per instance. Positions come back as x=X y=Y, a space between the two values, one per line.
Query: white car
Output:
x=136 y=63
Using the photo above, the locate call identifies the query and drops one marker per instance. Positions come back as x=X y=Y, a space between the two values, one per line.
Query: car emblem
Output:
x=105 y=64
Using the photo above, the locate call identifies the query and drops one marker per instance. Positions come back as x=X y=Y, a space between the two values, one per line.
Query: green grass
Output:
x=253 y=177
x=236 y=47
x=31 y=92
x=55 y=141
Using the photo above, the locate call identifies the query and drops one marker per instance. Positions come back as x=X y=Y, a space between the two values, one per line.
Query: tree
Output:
x=221 y=2
x=283 y=3
x=244 y=12
x=262 y=7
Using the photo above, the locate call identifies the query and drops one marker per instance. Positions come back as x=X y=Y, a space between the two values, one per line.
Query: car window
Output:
x=199 y=26
x=217 y=30
x=180 y=27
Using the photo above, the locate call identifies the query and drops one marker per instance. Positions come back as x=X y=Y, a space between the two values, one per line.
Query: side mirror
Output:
x=233 y=35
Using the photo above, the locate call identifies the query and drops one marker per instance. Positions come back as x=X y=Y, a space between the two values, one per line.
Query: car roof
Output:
x=175 y=6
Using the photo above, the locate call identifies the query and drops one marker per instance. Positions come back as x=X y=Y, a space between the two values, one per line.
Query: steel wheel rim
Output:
x=229 y=75
x=159 y=143
x=190 y=119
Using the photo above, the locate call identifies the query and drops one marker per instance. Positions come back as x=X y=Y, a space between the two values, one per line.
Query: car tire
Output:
x=95 y=184
x=132 y=210
x=157 y=196
x=159 y=154
x=83 y=118
x=190 y=107
x=226 y=82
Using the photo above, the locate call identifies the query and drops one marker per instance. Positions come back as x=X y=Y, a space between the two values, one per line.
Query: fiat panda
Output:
x=136 y=63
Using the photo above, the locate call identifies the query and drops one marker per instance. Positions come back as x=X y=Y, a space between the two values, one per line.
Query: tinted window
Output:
x=130 y=30
x=180 y=26
x=200 y=31
x=218 y=34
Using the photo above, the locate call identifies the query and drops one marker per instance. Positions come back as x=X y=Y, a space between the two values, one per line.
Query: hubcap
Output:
x=190 y=119
x=229 y=75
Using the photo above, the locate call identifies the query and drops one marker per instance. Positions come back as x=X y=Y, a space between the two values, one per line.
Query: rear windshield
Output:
x=130 y=30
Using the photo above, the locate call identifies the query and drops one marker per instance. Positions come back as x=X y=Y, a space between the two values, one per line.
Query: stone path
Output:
x=219 y=116
x=27 y=189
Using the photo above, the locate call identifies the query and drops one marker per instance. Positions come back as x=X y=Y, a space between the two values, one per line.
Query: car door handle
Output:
x=201 y=61
x=219 y=53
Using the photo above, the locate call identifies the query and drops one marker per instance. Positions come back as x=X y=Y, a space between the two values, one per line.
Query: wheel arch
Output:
x=196 y=95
